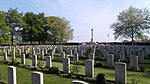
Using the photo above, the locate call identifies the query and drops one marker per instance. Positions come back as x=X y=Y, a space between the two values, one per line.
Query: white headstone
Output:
x=42 y=54
x=66 y=65
x=34 y=61
x=110 y=60
x=120 y=73
x=89 y=68
x=62 y=56
x=37 y=78
x=76 y=57
x=23 y=59
x=134 y=62
x=13 y=57
x=140 y=57
x=48 y=61
x=12 y=75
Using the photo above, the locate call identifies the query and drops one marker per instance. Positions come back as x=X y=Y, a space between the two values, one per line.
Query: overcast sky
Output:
x=82 y=14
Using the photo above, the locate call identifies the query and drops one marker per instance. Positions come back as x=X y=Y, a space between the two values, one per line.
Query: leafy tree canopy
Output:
x=131 y=23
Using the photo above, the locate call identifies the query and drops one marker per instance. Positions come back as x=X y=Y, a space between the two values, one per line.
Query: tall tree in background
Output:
x=30 y=32
x=60 y=29
x=40 y=26
x=4 y=29
x=132 y=23
x=14 y=21
x=34 y=30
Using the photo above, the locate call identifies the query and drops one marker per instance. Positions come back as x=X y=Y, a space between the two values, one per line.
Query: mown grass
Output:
x=24 y=75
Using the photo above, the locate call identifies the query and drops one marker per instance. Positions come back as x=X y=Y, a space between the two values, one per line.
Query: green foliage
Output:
x=99 y=64
x=75 y=68
x=4 y=61
x=29 y=32
x=54 y=70
x=4 y=33
x=28 y=55
x=97 y=52
x=22 y=65
x=33 y=28
x=16 y=63
x=131 y=23
x=142 y=68
x=148 y=55
x=127 y=61
x=59 y=29
x=40 y=64
x=100 y=78
x=88 y=51
x=15 y=22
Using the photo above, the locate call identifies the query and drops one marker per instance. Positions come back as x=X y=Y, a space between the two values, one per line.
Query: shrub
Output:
x=54 y=70
x=40 y=64
x=127 y=61
x=99 y=64
x=57 y=50
x=13 y=63
x=49 y=51
x=4 y=61
x=46 y=55
x=88 y=51
x=17 y=55
x=16 y=63
x=129 y=69
x=75 y=68
x=29 y=55
x=21 y=65
x=1 y=82
x=142 y=68
x=148 y=55
x=97 y=52
x=100 y=78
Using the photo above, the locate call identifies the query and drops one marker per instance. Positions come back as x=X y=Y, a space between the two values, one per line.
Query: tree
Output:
x=40 y=26
x=144 y=38
x=131 y=23
x=59 y=29
x=34 y=30
x=4 y=29
x=14 y=21
x=30 y=32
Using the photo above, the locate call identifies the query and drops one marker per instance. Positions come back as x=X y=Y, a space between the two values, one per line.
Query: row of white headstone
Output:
x=133 y=62
x=110 y=60
x=37 y=77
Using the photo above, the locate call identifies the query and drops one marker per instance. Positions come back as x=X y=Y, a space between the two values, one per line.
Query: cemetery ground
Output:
x=24 y=74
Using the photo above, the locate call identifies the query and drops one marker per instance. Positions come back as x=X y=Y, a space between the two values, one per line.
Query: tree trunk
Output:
x=54 y=41
x=39 y=42
x=30 y=42
x=12 y=41
x=12 y=36
x=132 y=37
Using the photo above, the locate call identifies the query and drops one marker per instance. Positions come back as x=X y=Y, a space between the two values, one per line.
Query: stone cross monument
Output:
x=92 y=36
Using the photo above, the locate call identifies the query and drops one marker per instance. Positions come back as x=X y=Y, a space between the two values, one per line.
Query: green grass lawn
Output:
x=24 y=75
